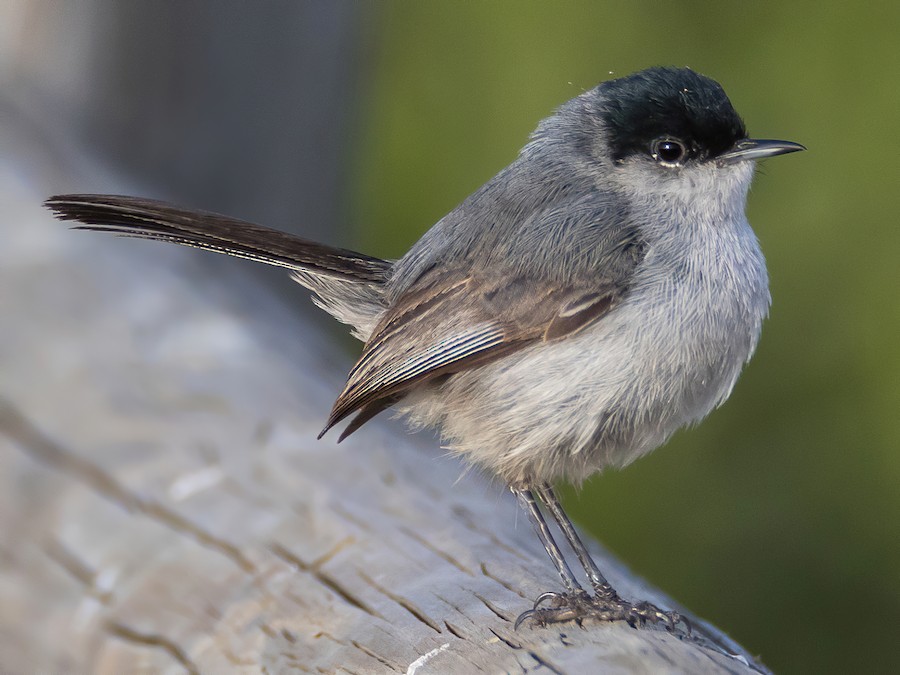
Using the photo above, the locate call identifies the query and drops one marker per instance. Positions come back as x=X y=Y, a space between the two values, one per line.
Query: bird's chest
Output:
x=698 y=310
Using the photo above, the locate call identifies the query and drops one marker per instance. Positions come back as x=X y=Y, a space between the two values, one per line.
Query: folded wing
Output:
x=451 y=321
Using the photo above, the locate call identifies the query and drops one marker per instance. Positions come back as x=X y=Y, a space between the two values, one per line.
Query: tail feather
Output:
x=348 y=285
x=150 y=219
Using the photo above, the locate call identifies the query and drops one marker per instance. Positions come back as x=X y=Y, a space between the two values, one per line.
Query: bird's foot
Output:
x=579 y=606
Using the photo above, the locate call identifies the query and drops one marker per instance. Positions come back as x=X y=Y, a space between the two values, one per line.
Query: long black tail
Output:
x=150 y=219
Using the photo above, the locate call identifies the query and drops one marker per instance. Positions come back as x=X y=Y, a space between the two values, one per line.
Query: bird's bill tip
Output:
x=754 y=148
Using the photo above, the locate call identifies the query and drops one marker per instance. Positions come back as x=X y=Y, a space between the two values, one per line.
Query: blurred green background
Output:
x=778 y=518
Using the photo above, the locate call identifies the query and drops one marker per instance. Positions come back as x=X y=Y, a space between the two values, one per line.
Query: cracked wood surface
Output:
x=165 y=506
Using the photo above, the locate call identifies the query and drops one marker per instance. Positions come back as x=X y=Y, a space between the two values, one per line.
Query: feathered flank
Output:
x=455 y=320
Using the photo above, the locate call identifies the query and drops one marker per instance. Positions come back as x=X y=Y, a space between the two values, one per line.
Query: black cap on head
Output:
x=669 y=103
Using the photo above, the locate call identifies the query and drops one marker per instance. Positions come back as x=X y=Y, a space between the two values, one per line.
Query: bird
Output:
x=600 y=292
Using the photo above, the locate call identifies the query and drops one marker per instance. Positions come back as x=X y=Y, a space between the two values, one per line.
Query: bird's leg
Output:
x=566 y=606
x=526 y=499
x=575 y=604
x=598 y=581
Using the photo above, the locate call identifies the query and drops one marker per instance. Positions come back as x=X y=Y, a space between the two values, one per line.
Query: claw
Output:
x=674 y=618
x=523 y=617
x=671 y=619
x=543 y=597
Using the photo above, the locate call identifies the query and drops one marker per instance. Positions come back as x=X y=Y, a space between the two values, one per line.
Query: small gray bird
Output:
x=597 y=294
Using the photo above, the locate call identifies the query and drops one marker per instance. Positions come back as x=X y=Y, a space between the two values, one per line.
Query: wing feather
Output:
x=453 y=321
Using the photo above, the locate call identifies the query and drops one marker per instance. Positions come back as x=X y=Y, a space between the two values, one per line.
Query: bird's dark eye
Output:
x=668 y=151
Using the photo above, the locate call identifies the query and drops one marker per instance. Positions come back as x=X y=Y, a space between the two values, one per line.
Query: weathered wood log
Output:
x=166 y=507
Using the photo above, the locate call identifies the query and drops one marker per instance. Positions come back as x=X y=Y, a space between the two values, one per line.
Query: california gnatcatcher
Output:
x=597 y=294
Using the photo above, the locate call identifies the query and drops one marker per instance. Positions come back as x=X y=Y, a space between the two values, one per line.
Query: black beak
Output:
x=750 y=148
